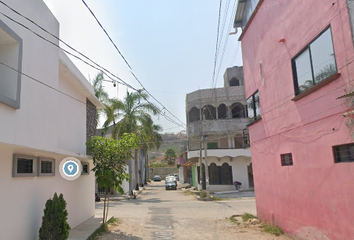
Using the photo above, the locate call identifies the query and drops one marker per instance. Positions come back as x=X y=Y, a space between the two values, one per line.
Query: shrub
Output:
x=54 y=222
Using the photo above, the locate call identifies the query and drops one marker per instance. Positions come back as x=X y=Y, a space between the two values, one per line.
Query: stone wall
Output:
x=91 y=120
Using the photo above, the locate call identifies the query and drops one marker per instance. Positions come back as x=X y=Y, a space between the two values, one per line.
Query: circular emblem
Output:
x=70 y=168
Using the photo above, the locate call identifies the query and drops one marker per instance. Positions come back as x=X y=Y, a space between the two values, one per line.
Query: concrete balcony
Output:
x=219 y=153
x=218 y=95
x=218 y=126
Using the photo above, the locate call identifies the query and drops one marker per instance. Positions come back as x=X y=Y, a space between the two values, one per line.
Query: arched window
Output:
x=194 y=115
x=234 y=82
x=222 y=114
x=237 y=110
x=226 y=174
x=214 y=174
x=209 y=112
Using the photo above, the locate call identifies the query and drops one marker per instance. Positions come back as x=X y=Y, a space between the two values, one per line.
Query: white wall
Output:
x=24 y=198
x=46 y=124
x=33 y=125
x=71 y=114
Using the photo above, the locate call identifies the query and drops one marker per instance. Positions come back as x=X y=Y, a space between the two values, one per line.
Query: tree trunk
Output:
x=107 y=206
x=104 y=206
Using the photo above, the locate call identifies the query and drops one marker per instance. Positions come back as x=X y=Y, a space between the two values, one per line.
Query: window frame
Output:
x=4 y=99
x=256 y=116
x=321 y=83
x=88 y=166
x=282 y=160
x=15 y=164
x=40 y=174
x=334 y=153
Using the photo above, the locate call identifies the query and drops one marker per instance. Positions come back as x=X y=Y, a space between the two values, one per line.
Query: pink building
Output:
x=298 y=60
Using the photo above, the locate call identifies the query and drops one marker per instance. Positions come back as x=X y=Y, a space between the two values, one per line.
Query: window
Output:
x=11 y=55
x=286 y=159
x=220 y=175
x=226 y=174
x=24 y=166
x=344 y=153
x=212 y=145
x=234 y=82
x=315 y=63
x=253 y=107
x=46 y=167
x=85 y=168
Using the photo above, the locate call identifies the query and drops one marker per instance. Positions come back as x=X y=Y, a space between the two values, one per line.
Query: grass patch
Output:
x=247 y=216
x=103 y=228
x=272 y=229
x=234 y=220
x=187 y=193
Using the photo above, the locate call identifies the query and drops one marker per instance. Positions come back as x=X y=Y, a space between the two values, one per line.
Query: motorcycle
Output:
x=97 y=198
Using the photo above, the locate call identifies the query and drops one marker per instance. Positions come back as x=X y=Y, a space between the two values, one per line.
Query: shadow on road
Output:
x=118 y=234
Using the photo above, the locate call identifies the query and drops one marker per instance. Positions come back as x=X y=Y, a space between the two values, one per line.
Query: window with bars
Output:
x=286 y=159
x=343 y=153
x=85 y=168
x=46 y=167
x=24 y=166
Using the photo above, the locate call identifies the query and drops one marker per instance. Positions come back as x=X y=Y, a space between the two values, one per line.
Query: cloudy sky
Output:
x=169 y=44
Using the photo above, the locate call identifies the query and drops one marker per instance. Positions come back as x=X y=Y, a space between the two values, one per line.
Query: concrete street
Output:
x=161 y=214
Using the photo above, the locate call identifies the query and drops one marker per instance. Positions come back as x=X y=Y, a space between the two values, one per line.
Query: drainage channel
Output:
x=160 y=223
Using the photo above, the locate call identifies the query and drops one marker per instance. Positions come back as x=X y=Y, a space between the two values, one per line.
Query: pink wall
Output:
x=314 y=198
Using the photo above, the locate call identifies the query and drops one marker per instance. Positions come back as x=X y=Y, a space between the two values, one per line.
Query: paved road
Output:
x=161 y=214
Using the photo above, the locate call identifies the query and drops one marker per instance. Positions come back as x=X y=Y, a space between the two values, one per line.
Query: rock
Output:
x=253 y=221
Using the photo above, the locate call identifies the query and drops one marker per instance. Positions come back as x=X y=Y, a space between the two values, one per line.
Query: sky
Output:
x=170 y=46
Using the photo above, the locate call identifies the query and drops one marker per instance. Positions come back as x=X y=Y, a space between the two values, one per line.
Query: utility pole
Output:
x=200 y=186
x=206 y=167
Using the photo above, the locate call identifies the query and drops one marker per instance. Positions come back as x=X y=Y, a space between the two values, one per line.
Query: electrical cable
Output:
x=99 y=68
x=92 y=13
x=104 y=30
x=44 y=84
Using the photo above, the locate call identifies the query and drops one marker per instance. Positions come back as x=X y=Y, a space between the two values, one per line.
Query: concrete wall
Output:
x=47 y=124
x=24 y=198
x=313 y=199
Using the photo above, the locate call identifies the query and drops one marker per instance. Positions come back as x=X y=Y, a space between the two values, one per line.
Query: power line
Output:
x=97 y=67
x=104 y=30
x=129 y=65
x=57 y=90
x=216 y=45
x=66 y=44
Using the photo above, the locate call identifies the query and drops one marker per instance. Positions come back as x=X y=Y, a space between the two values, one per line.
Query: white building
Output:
x=220 y=115
x=45 y=115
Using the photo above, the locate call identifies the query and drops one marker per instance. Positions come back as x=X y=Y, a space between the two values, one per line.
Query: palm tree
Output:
x=149 y=138
x=149 y=134
x=132 y=115
x=100 y=93
x=111 y=111
x=134 y=110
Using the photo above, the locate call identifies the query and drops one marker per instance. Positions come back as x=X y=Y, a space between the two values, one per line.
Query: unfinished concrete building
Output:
x=219 y=117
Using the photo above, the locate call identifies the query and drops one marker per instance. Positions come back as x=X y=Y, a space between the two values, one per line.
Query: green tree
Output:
x=100 y=93
x=54 y=222
x=148 y=134
x=170 y=155
x=109 y=157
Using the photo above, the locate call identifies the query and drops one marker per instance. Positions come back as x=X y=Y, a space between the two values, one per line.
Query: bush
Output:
x=54 y=222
